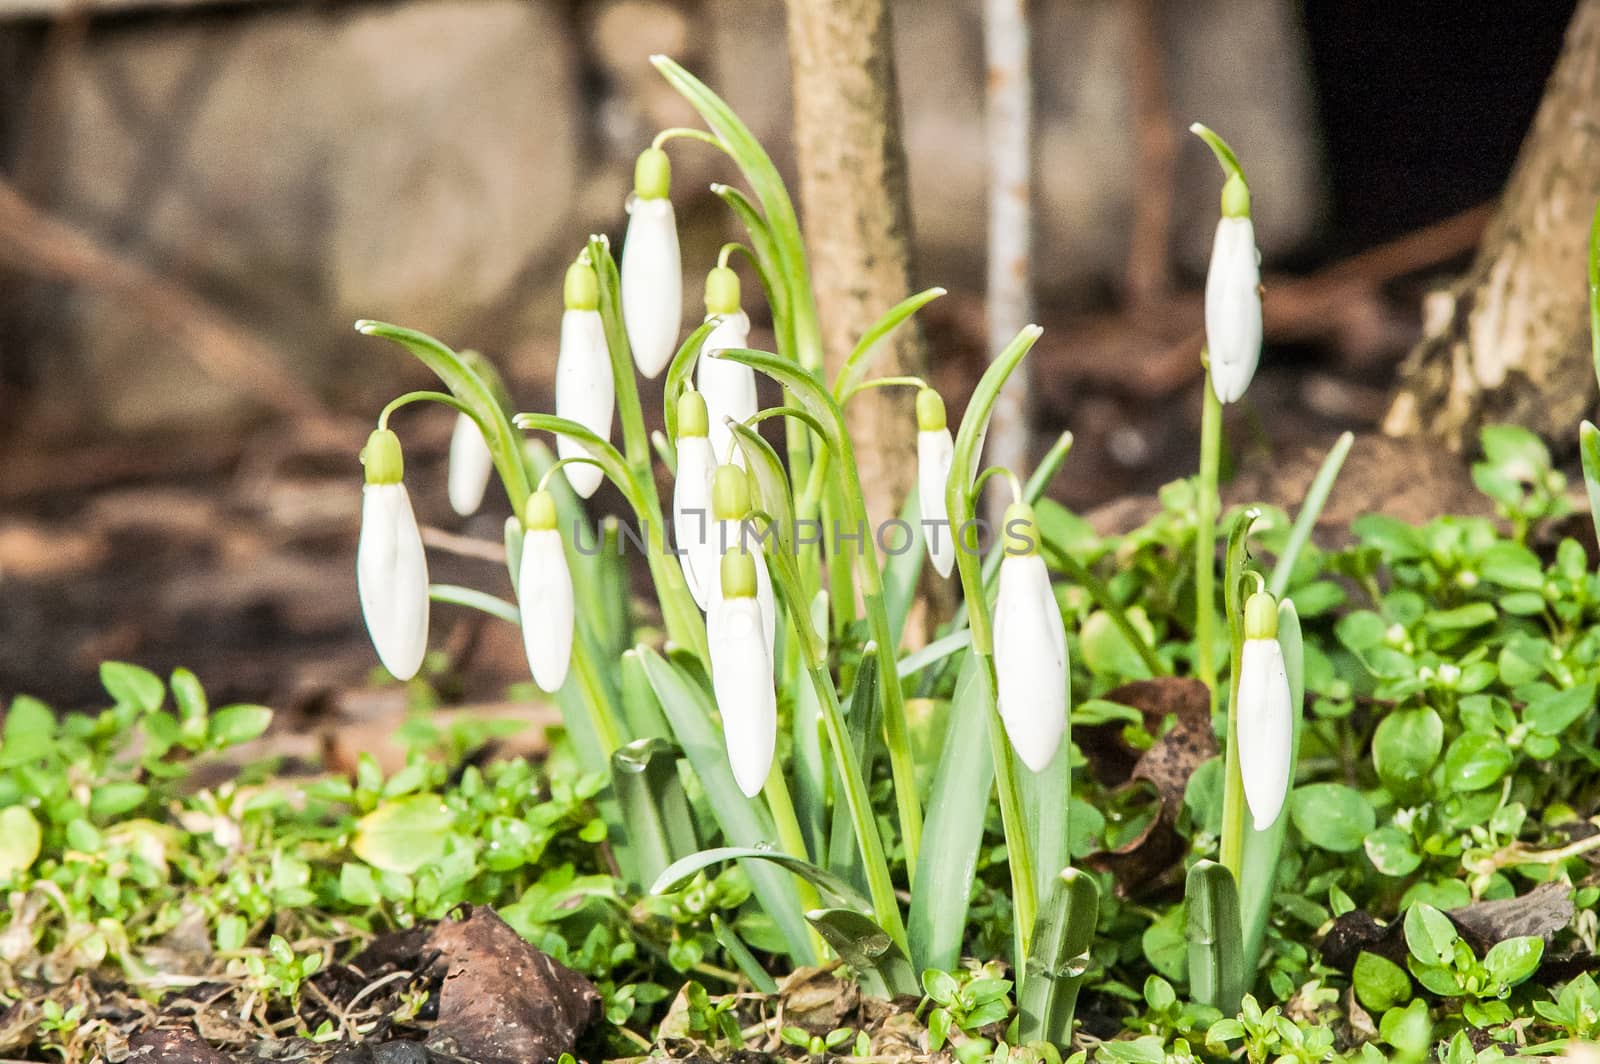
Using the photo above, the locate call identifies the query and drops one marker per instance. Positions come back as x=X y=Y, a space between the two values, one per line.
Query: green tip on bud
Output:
x=692 y=417
x=738 y=573
x=540 y=515
x=382 y=458
x=1261 y=616
x=1235 y=198
x=1020 y=530
x=581 y=291
x=722 y=291
x=730 y=493
x=652 y=174
x=930 y=411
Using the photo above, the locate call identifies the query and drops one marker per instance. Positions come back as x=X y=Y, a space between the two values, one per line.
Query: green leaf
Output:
x=1476 y=760
x=940 y=987
x=1316 y=498
x=232 y=725
x=114 y=798
x=679 y=370
x=1107 y=652
x=1380 y=984
x=1217 y=971
x=1391 y=852
x=1553 y=714
x=657 y=823
x=1332 y=816
x=881 y=965
x=29 y=732
x=1472 y=615
x=865 y=722
x=1406 y=745
x=404 y=834
x=358 y=886
x=133 y=686
x=832 y=888
x=871 y=343
x=1430 y=936
x=1589 y=449
x=1166 y=944
x=1058 y=959
x=187 y=694
x=20 y=839
x=1512 y=961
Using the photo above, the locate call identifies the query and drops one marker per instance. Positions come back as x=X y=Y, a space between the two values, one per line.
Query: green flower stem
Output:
x=688 y=133
x=423 y=397
x=1234 y=826
x=1084 y=577
x=1205 y=541
x=473 y=599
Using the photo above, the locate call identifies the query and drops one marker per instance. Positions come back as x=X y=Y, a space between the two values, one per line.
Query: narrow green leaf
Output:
x=744 y=822
x=1058 y=958
x=953 y=830
x=903 y=568
x=771 y=483
x=1310 y=510
x=1589 y=448
x=881 y=966
x=746 y=961
x=863 y=719
x=655 y=810
x=871 y=343
x=834 y=889
x=609 y=458
x=679 y=370
x=1216 y=940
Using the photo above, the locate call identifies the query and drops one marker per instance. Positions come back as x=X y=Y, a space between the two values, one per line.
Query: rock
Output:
x=306 y=166
x=503 y=1001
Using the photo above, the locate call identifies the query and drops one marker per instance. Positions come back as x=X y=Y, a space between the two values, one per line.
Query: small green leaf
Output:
x=1471 y=615
x=1405 y=746
x=1476 y=760
x=112 y=799
x=132 y=685
x=940 y=986
x=20 y=839
x=232 y=725
x=358 y=886
x=1512 y=961
x=1332 y=816
x=1430 y=936
x=404 y=834
x=1380 y=984
x=1552 y=714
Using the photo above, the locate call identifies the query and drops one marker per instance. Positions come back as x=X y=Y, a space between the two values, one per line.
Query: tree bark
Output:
x=856 y=218
x=1510 y=340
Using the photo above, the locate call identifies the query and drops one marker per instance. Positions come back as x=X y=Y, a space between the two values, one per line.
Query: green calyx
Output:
x=692 y=417
x=1019 y=530
x=1235 y=197
x=652 y=174
x=1261 y=616
x=382 y=458
x=581 y=290
x=930 y=411
x=540 y=514
x=738 y=573
x=730 y=493
x=722 y=291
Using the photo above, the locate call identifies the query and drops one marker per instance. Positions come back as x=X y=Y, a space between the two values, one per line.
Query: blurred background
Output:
x=200 y=196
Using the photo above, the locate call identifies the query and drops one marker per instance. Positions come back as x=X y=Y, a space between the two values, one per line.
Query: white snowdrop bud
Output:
x=1265 y=717
x=729 y=388
x=544 y=594
x=730 y=503
x=471 y=465
x=1233 y=297
x=935 y=453
x=691 y=499
x=585 y=392
x=391 y=568
x=652 y=267
x=1030 y=645
x=741 y=673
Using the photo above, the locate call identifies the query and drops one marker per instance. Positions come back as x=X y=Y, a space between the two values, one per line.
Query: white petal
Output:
x=935 y=452
x=1030 y=660
x=652 y=284
x=470 y=466
x=726 y=534
x=741 y=679
x=544 y=594
x=585 y=392
x=692 y=531
x=392 y=578
x=729 y=388
x=1233 y=308
x=1266 y=729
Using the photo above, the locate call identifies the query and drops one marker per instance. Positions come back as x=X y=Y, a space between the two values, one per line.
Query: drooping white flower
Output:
x=691 y=499
x=1265 y=716
x=1233 y=297
x=471 y=464
x=544 y=595
x=729 y=387
x=652 y=267
x=935 y=453
x=730 y=504
x=1030 y=645
x=585 y=391
x=741 y=673
x=391 y=568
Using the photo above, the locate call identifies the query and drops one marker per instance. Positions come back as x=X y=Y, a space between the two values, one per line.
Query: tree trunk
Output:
x=1510 y=340
x=854 y=200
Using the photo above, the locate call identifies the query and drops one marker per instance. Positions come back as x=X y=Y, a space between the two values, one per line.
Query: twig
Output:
x=463 y=546
x=1008 y=121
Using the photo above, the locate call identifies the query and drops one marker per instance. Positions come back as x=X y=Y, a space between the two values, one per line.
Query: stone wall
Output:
x=437 y=162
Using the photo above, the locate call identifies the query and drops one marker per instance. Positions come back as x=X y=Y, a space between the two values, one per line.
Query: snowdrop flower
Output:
x=730 y=503
x=691 y=498
x=741 y=672
x=391 y=569
x=1265 y=717
x=585 y=392
x=544 y=594
x=652 y=270
x=729 y=388
x=935 y=452
x=471 y=463
x=1233 y=296
x=1030 y=645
